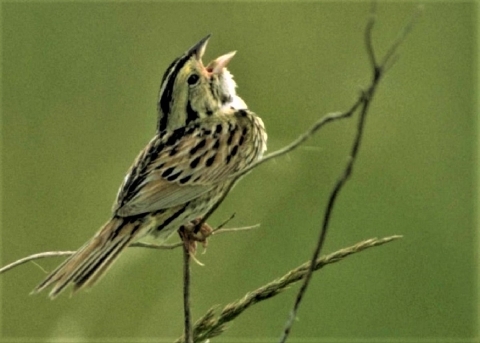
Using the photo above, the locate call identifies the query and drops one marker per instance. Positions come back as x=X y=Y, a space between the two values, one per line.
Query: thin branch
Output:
x=218 y=230
x=330 y=117
x=235 y=229
x=391 y=52
x=225 y=222
x=186 y=291
x=209 y=326
x=368 y=36
x=326 y=220
x=156 y=246
x=35 y=257
x=378 y=70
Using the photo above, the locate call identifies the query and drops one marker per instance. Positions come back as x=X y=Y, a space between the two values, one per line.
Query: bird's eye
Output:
x=193 y=79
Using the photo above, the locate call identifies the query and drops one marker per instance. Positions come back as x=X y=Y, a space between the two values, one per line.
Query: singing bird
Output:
x=205 y=135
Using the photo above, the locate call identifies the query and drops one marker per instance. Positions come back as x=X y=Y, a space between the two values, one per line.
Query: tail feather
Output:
x=98 y=268
x=92 y=260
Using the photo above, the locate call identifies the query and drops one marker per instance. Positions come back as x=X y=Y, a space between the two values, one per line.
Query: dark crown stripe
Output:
x=162 y=123
x=166 y=90
x=169 y=70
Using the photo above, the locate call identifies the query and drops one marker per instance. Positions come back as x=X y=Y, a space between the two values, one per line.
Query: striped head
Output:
x=191 y=91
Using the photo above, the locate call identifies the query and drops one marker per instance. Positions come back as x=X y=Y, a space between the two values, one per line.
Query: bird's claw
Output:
x=192 y=233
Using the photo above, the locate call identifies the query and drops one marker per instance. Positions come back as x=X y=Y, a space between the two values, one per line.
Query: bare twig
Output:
x=35 y=257
x=326 y=219
x=378 y=71
x=218 y=230
x=368 y=36
x=391 y=54
x=225 y=222
x=156 y=246
x=235 y=229
x=186 y=291
x=210 y=326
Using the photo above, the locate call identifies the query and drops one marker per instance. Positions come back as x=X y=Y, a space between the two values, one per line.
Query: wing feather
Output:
x=188 y=162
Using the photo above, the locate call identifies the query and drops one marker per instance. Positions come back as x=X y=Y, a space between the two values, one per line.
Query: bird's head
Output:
x=191 y=91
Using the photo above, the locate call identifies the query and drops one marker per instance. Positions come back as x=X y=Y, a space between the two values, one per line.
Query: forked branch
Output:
x=363 y=104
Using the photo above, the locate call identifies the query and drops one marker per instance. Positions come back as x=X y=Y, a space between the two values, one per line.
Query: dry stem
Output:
x=363 y=103
x=209 y=326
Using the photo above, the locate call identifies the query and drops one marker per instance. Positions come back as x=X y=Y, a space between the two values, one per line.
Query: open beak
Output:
x=199 y=49
x=217 y=65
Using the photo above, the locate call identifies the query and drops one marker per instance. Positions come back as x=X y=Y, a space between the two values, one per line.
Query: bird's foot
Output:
x=192 y=233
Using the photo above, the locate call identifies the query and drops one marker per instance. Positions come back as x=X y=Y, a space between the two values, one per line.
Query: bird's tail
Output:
x=92 y=260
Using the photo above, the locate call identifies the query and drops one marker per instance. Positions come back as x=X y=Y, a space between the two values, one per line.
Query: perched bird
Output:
x=205 y=134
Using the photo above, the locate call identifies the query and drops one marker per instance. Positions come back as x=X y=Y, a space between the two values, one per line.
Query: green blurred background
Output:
x=79 y=88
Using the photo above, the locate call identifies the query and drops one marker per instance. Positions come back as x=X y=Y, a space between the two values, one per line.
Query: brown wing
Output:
x=186 y=163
